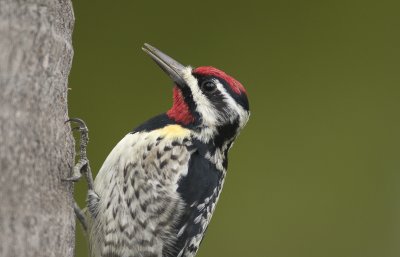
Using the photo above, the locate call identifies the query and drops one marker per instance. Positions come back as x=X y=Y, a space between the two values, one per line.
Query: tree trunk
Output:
x=36 y=147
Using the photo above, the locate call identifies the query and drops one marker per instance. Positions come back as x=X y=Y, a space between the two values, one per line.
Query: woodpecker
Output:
x=157 y=190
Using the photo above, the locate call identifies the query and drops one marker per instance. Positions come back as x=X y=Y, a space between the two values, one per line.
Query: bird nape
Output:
x=157 y=190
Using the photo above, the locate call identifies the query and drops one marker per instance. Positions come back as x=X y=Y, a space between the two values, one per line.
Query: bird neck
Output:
x=218 y=136
x=180 y=111
x=215 y=143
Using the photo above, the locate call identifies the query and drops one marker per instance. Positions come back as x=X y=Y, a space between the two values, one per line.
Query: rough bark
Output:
x=36 y=148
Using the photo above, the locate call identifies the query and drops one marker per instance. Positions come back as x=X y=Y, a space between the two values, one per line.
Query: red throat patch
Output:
x=236 y=86
x=180 y=110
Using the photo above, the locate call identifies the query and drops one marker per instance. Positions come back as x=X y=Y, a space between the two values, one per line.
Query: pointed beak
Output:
x=174 y=69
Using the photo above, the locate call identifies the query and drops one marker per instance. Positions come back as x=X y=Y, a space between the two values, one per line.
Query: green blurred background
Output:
x=316 y=171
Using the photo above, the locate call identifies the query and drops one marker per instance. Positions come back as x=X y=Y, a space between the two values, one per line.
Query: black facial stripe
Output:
x=216 y=98
x=241 y=99
x=188 y=98
x=187 y=95
x=226 y=133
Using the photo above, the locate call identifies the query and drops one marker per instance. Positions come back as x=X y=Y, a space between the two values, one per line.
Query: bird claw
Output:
x=82 y=124
x=82 y=167
x=72 y=179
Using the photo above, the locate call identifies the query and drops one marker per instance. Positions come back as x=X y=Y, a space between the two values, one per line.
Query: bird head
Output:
x=205 y=98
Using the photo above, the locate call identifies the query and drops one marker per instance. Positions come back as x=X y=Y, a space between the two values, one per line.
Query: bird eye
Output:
x=208 y=86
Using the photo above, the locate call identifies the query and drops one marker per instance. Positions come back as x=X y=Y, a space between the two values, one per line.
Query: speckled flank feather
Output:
x=139 y=203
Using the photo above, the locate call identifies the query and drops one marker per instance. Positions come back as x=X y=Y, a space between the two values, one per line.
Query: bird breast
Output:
x=137 y=187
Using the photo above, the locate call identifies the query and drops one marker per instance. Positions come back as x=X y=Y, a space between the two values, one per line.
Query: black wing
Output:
x=199 y=189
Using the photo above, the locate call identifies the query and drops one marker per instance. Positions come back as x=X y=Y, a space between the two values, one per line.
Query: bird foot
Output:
x=82 y=166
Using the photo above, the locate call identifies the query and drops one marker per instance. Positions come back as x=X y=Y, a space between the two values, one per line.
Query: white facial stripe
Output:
x=204 y=106
x=235 y=108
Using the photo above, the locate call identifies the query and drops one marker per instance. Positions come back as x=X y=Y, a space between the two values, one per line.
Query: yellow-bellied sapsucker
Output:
x=156 y=191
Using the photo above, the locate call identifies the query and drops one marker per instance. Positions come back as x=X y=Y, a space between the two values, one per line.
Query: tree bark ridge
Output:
x=36 y=147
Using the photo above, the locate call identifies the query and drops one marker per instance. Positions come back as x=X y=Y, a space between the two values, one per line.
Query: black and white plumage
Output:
x=156 y=191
